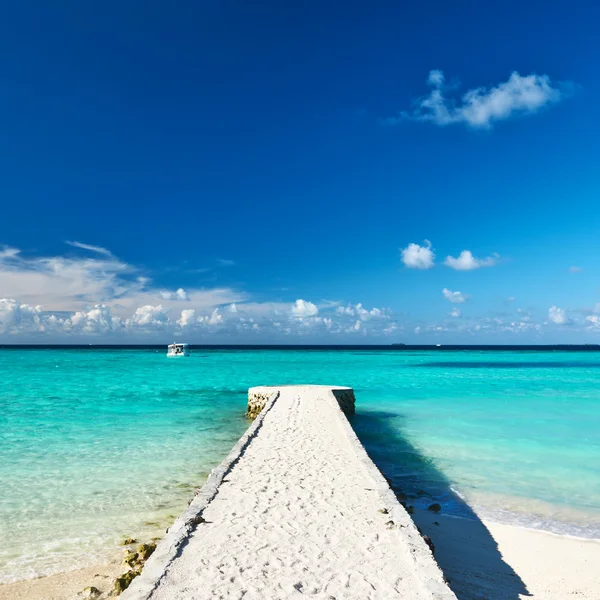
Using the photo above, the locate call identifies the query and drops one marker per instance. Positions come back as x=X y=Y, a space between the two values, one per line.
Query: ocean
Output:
x=101 y=443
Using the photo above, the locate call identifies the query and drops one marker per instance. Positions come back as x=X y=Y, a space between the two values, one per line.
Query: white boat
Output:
x=178 y=350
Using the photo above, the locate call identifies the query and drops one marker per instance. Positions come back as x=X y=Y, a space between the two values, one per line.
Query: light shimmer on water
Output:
x=99 y=444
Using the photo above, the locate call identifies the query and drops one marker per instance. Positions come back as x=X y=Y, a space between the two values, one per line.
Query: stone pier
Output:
x=296 y=509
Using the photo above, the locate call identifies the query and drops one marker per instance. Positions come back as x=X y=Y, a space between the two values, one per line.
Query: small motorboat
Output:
x=178 y=350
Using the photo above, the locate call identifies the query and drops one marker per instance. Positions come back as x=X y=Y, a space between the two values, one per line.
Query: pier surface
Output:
x=297 y=509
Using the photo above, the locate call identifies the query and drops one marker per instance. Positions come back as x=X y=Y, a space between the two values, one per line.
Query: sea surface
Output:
x=99 y=444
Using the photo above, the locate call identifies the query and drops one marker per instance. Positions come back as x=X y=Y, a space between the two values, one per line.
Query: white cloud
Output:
x=358 y=310
x=23 y=318
x=180 y=294
x=481 y=107
x=225 y=262
x=187 y=317
x=594 y=320
x=215 y=318
x=454 y=297
x=455 y=312
x=345 y=310
x=354 y=328
x=575 y=269
x=8 y=253
x=436 y=78
x=61 y=283
x=72 y=284
x=302 y=308
x=467 y=262
x=15 y=316
x=69 y=298
x=98 y=320
x=418 y=257
x=90 y=248
x=149 y=317
x=557 y=315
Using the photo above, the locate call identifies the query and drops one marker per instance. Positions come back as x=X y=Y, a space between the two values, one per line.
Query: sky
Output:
x=318 y=172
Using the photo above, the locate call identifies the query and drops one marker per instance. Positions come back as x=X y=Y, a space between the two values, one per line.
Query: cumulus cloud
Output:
x=180 y=294
x=149 y=316
x=418 y=257
x=480 y=107
x=302 y=308
x=454 y=297
x=187 y=317
x=215 y=318
x=98 y=320
x=16 y=316
x=73 y=297
x=557 y=315
x=358 y=310
x=354 y=328
x=465 y=261
x=455 y=312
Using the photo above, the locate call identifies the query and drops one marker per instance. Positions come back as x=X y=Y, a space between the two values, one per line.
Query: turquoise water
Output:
x=100 y=444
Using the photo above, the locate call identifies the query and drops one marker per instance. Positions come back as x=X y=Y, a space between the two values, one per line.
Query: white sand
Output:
x=64 y=586
x=298 y=515
x=488 y=561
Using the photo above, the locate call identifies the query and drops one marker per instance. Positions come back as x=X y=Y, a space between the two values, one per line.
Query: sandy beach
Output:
x=64 y=586
x=491 y=561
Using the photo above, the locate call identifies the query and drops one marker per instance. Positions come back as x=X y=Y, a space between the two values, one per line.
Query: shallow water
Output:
x=99 y=444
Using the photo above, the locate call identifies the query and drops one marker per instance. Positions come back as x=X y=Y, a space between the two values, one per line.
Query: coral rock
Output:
x=131 y=558
x=146 y=550
x=128 y=542
x=123 y=582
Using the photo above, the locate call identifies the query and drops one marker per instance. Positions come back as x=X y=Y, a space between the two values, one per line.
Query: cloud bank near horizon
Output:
x=104 y=296
x=62 y=298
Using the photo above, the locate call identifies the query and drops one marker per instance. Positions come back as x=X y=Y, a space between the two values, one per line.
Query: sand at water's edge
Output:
x=497 y=562
x=500 y=562
x=64 y=586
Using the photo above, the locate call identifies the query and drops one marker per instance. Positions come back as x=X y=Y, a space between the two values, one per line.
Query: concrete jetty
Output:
x=296 y=509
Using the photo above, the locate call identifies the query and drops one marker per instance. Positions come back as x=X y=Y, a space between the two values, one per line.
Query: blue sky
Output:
x=275 y=163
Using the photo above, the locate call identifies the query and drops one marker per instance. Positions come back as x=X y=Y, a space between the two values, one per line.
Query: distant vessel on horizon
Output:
x=178 y=349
